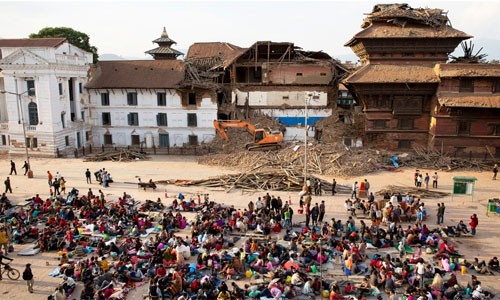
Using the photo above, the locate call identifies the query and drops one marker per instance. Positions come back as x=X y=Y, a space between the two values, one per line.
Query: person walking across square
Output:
x=49 y=178
x=7 y=185
x=28 y=276
x=12 y=167
x=26 y=167
x=88 y=176
x=435 y=180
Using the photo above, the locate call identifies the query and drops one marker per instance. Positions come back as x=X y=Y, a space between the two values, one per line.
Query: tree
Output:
x=77 y=38
x=469 y=55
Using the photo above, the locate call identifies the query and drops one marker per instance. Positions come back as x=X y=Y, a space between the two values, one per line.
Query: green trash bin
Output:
x=492 y=206
x=459 y=188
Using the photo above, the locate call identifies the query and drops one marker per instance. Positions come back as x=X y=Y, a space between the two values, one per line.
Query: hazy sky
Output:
x=127 y=28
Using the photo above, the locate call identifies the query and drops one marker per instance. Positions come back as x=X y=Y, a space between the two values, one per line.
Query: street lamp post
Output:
x=18 y=95
x=307 y=99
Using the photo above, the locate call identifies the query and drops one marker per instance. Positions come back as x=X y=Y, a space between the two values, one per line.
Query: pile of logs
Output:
x=117 y=155
x=421 y=193
x=335 y=160
x=433 y=159
x=258 y=181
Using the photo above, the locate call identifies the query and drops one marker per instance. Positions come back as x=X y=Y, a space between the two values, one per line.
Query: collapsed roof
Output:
x=401 y=13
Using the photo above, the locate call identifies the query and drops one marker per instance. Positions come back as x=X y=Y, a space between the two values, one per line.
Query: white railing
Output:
x=30 y=128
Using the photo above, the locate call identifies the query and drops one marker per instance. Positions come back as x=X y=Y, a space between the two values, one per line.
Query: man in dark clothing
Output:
x=7 y=185
x=88 y=176
x=315 y=215
x=28 y=276
x=321 y=211
x=334 y=185
x=26 y=167
x=12 y=167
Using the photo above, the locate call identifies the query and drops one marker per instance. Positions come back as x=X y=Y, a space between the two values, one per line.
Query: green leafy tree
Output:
x=77 y=38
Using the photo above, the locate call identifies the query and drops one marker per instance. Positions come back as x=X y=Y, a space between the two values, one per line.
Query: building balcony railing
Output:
x=31 y=128
x=4 y=126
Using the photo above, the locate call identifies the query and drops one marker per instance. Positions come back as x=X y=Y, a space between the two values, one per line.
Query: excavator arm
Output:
x=220 y=125
x=262 y=139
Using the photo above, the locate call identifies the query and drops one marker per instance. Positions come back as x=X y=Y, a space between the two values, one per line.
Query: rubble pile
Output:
x=280 y=180
x=334 y=160
x=421 y=193
x=337 y=160
x=117 y=155
x=432 y=159
x=398 y=13
x=334 y=130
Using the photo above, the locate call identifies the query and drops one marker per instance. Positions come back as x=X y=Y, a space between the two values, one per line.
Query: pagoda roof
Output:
x=374 y=73
x=164 y=38
x=469 y=70
x=164 y=50
x=470 y=100
x=391 y=31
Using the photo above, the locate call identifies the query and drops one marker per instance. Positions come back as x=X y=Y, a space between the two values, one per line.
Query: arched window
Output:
x=33 y=113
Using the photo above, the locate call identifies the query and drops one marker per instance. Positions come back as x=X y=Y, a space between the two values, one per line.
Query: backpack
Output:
x=27 y=275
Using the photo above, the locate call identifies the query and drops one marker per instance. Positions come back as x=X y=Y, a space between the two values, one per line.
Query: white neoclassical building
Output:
x=43 y=82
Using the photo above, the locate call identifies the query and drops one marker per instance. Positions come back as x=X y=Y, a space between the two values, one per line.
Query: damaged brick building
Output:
x=268 y=78
x=411 y=95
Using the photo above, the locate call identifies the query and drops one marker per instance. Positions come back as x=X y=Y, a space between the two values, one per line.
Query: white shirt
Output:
x=296 y=279
x=420 y=269
x=70 y=281
x=307 y=288
x=259 y=204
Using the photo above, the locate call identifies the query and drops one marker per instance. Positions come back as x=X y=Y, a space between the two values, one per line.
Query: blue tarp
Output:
x=294 y=121
x=394 y=161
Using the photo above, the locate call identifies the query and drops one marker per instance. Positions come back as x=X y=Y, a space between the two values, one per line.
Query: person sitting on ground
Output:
x=462 y=228
x=494 y=265
x=481 y=267
x=68 y=284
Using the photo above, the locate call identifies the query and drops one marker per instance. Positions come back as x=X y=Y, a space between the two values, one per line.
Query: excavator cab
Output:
x=260 y=134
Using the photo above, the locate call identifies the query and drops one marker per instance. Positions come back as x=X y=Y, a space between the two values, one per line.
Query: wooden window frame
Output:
x=192 y=120
x=104 y=122
x=104 y=99
x=132 y=99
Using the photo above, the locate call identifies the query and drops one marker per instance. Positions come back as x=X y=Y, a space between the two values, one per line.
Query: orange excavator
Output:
x=263 y=139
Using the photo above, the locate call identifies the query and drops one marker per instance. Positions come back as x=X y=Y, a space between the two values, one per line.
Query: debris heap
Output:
x=421 y=193
x=259 y=181
x=398 y=13
x=433 y=159
x=117 y=155
x=334 y=160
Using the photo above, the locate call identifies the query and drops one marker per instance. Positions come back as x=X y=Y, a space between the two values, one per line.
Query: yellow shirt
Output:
x=104 y=265
x=3 y=237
